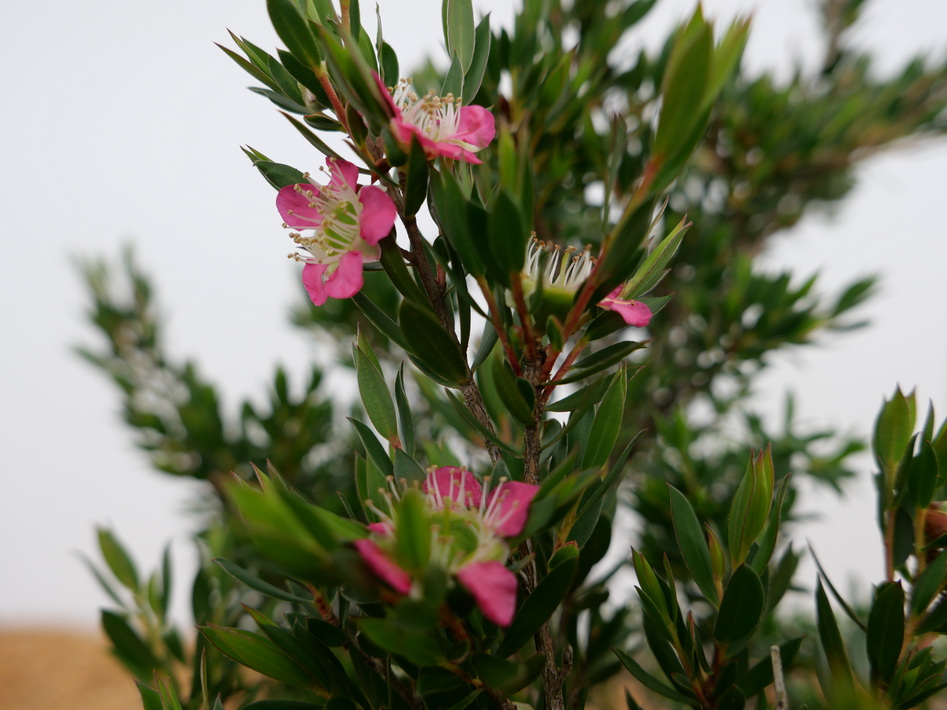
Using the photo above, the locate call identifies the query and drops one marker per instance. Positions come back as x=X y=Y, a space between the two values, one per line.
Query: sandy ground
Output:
x=56 y=670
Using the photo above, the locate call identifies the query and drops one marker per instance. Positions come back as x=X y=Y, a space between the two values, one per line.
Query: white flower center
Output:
x=336 y=231
x=563 y=269
x=437 y=117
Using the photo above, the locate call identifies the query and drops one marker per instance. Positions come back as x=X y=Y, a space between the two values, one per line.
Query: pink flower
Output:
x=347 y=220
x=507 y=507
x=383 y=568
x=493 y=587
x=562 y=273
x=452 y=484
x=469 y=538
x=441 y=124
x=633 y=312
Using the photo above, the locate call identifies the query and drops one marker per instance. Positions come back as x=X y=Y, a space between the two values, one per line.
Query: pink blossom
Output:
x=493 y=587
x=440 y=123
x=382 y=566
x=633 y=312
x=508 y=506
x=451 y=483
x=469 y=539
x=347 y=222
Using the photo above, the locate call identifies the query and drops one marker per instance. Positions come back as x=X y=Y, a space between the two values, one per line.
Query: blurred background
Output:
x=123 y=125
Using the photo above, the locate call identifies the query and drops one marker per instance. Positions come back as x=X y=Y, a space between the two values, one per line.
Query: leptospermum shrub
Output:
x=525 y=348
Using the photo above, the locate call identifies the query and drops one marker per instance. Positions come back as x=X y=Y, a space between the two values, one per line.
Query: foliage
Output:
x=445 y=548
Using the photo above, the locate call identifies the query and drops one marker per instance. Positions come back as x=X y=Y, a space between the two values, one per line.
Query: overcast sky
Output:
x=122 y=124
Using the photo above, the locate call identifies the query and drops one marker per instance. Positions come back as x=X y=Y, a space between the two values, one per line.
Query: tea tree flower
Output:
x=470 y=532
x=347 y=222
x=561 y=272
x=441 y=124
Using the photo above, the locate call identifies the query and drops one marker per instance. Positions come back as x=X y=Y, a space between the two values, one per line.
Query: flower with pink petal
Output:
x=493 y=587
x=382 y=566
x=508 y=506
x=440 y=123
x=448 y=484
x=347 y=222
x=563 y=271
x=469 y=537
x=633 y=313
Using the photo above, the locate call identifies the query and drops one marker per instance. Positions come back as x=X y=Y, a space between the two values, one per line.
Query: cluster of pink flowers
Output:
x=470 y=531
x=341 y=222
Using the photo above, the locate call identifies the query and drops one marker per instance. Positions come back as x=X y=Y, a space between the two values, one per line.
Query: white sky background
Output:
x=122 y=123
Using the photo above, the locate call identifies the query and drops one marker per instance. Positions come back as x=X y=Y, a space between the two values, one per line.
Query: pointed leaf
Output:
x=690 y=540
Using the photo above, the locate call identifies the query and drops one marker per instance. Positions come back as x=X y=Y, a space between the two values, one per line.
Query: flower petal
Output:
x=453 y=483
x=477 y=126
x=384 y=529
x=293 y=206
x=634 y=313
x=312 y=280
x=342 y=171
x=381 y=566
x=378 y=214
x=386 y=97
x=493 y=587
x=347 y=279
x=508 y=507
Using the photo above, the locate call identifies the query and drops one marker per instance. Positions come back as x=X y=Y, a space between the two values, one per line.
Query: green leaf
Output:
x=257 y=653
x=313 y=139
x=295 y=32
x=473 y=76
x=741 y=607
x=508 y=676
x=886 y=629
x=846 y=607
x=453 y=84
x=415 y=178
x=651 y=271
x=150 y=700
x=373 y=449
x=413 y=523
x=488 y=340
x=685 y=83
x=600 y=360
x=430 y=344
x=690 y=540
x=538 y=607
x=118 y=560
x=405 y=416
x=832 y=644
x=922 y=476
x=382 y=322
x=450 y=209
x=648 y=680
x=375 y=395
x=506 y=237
x=129 y=646
x=518 y=403
x=767 y=540
x=928 y=584
x=254 y=582
x=607 y=423
x=750 y=506
x=459 y=30
x=279 y=175
x=893 y=429
x=417 y=647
